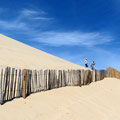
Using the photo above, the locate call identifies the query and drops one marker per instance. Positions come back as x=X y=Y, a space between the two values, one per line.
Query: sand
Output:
x=18 y=55
x=97 y=101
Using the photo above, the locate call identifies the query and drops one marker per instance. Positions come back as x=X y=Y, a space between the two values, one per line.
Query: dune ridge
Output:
x=16 y=54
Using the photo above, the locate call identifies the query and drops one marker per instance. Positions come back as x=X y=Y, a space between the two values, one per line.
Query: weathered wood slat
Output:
x=79 y=78
x=45 y=80
x=32 y=86
x=111 y=72
x=60 y=78
x=55 y=77
x=14 y=89
x=38 y=80
x=42 y=79
x=28 y=86
x=6 y=84
x=93 y=76
x=12 y=83
x=51 y=79
x=102 y=74
x=97 y=75
x=63 y=78
x=39 y=87
x=19 y=94
x=82 y=77
x=24 y=84
x=1 y=87
x=35 y=80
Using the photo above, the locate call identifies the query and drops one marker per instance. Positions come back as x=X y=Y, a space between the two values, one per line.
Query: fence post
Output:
x=102 y=74
x=24 y=83
x=93 y=76
x=1 y=91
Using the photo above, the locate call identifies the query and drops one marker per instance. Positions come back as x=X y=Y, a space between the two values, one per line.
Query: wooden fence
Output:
x=111 y=72
x=16 y=83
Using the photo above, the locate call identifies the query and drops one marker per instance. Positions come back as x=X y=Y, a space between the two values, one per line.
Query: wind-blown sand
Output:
x=97 y=101
x=18 y=55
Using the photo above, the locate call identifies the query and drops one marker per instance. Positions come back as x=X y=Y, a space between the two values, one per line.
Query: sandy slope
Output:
x=16 y=54
x=98 y=101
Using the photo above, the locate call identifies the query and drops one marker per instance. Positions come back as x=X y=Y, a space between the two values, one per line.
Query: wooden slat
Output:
x=111 y=72
x=35 y=80
x=45 y=80
x=24 y=84
x=102 y=74
x=28 y=86
x=60 y=78
x=93 y=76
x=19 y=92
x=82 y=77
x=38 y=80
x=12 y=84
x=41 y=80
x=32 y=86
x=1 y=87
x=8 y=82
x=79 y=78
x=55 y=77
x=14 y=89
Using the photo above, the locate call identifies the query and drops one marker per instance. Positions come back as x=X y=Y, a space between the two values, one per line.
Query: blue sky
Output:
x=70 y=29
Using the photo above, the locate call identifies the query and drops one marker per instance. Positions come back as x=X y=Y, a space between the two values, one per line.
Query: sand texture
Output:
x=97 y=101
x=18 y=55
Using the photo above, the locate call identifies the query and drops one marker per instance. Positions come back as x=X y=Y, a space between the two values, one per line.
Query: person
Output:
x=86 y=63
x=92 y=65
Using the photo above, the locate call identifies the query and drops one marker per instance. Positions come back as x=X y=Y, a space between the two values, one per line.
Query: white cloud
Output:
x=42 y=18
x=28 y=12
x=34 y=14
x=8 y=25
x=72 y=38
x=53 y=38
x=26 y=20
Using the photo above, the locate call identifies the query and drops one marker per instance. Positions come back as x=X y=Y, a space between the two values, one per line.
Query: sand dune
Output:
x=17 y=54
x=98 y=101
